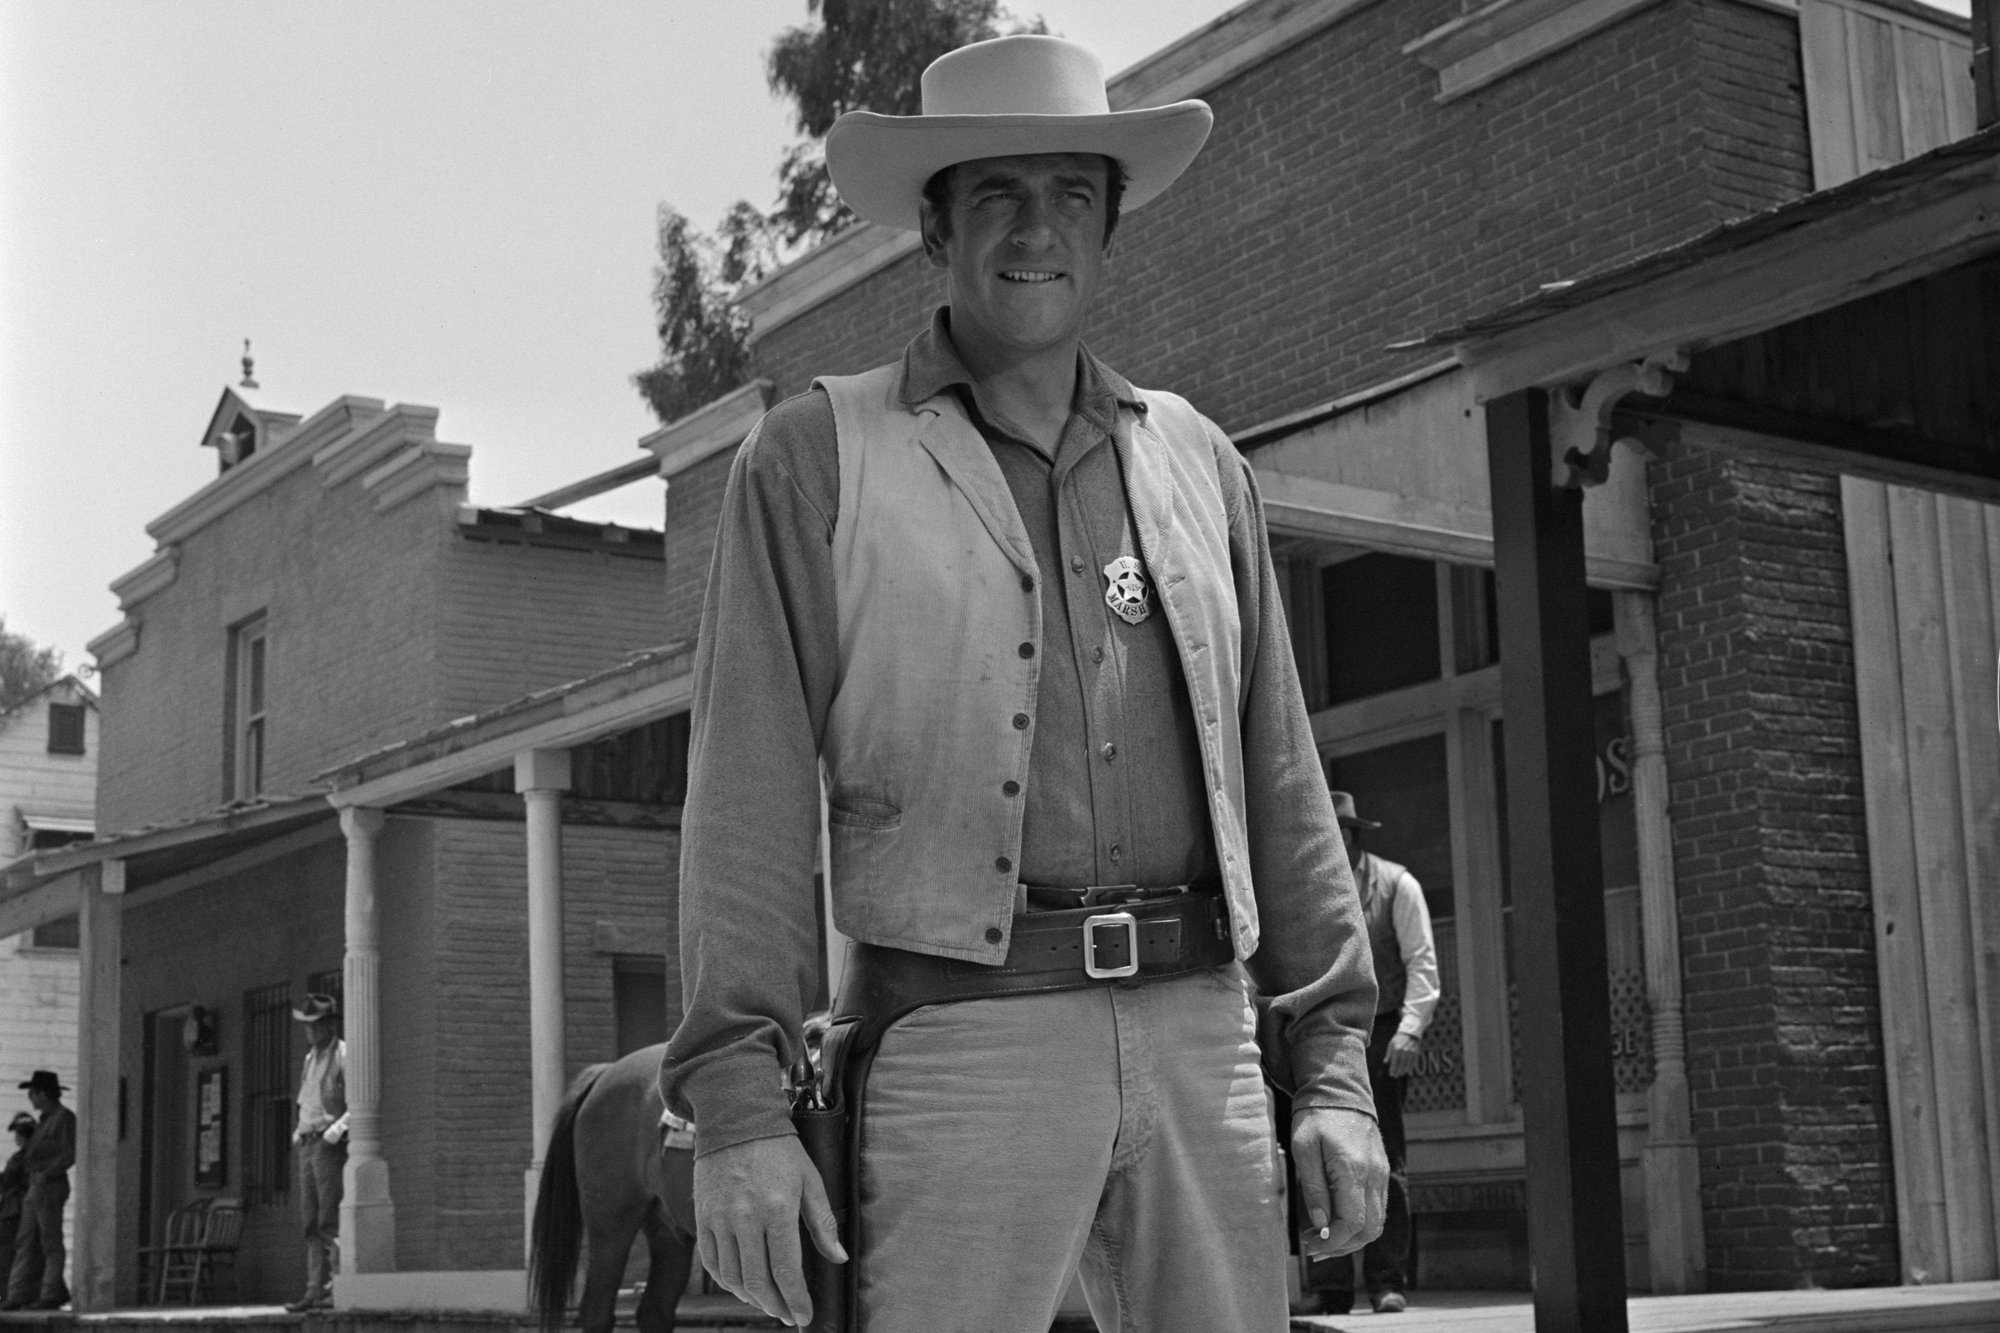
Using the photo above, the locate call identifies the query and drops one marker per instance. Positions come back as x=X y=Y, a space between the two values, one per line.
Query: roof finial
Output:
x=249 y=366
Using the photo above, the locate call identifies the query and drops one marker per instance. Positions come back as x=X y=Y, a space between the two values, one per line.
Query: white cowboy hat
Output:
x=1007 y=97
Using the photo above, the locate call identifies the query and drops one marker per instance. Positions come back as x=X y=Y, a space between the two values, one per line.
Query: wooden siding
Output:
x=1881 y=86
x=1925 y=577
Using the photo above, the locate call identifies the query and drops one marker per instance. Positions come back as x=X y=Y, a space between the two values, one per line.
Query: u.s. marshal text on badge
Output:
x=1127 y=590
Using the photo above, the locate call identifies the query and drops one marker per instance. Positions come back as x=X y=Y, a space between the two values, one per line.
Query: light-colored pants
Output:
x=1123 y=1128
x=320 y=1167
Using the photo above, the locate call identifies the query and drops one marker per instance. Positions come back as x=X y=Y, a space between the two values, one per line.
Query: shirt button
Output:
x=1027 y=650
x=1002 y=864
x=1116 y=852
x=993 y=935
x=1027 y=583
x=1076 y=564
x=1097 y=653
x=1020 y=721
x=1010 y=788
x=1110 y=751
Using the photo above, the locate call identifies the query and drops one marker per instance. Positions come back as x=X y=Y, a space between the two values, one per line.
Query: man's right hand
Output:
x=749 y=1199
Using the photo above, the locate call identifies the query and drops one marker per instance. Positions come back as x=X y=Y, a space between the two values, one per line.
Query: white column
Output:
x=1674 y=1235
x=367 y=1210
x=542 y=776
x=100 y=908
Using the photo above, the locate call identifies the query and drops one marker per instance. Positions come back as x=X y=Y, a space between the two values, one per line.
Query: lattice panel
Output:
x=1631 y=1031
x=1439 y=1082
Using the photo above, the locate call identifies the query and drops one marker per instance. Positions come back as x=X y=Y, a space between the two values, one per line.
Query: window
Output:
x=639 y=1001
x=66 y=728
x=247 y=656
x=267 y=1093
x=66 y=933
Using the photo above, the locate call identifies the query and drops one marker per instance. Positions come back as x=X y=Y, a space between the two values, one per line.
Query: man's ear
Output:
x=927 y=230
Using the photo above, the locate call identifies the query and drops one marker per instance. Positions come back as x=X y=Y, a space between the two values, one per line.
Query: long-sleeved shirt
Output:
x=52 y=1151
x=1115 y=790
x=1412 y=921
x=322 y=1090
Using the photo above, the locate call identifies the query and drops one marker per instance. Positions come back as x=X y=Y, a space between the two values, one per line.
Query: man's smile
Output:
x=1028 y=275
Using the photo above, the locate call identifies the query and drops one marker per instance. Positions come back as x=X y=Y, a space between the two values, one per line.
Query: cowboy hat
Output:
x=317 y=1007
x=1007 y=97
x=44 y=1080
x=1343 y=810
x=23 y=1123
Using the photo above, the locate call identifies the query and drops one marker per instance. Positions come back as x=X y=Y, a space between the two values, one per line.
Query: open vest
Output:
x=1377 y=882
x=937 y=590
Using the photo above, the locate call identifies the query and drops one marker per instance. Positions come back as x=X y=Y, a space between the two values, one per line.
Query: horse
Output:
x=606 y=1178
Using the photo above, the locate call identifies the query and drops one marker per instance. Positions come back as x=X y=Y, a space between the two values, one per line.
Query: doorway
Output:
x=167 y=1173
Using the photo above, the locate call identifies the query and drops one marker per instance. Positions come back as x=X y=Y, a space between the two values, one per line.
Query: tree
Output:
x=860 y=54
x=24 y=667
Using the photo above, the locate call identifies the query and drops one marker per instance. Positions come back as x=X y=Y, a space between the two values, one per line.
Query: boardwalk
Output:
x=1965 y=1306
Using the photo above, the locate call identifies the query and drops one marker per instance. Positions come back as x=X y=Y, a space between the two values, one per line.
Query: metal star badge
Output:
x=1127 y=590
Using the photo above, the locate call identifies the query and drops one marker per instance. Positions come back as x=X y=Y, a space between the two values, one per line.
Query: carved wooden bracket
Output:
x=1580 y=423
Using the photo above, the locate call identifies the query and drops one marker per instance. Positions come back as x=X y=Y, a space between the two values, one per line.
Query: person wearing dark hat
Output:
x=14 y=1187
x=35 y=1281
x=1023 y=617
x=321 y=1142
x=1406 y=977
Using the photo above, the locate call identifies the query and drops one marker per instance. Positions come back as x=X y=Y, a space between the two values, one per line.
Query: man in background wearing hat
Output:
x=1025 y=616
x=14 y=1188
x=1406 y=977
x=36 y=1279
x=321 y=1138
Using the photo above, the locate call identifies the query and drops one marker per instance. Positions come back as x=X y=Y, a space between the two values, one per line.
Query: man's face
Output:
x=319 y=1032
x=1350 y=837
x=1025 y=250
x=40 y=1100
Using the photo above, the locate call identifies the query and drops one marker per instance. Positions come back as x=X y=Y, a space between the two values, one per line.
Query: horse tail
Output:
x=557 y=1231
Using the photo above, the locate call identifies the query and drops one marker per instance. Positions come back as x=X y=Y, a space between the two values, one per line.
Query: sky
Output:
x=446 y=202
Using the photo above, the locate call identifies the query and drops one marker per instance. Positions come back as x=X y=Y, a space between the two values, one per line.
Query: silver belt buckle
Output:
x=1130 y=924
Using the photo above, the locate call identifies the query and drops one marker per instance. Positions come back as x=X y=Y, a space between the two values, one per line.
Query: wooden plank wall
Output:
x=1924 y=578
x=1881 y=86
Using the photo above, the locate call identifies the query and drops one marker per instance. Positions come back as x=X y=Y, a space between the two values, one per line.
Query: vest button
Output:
x=1076 y=564
x=1110 y=751
x=1020 y=721
x=1097 y=653
x=993 y=935
x=1027 y=583
x=1002 y=864
x=1027 y=650
x=1010 y=788
x=1116 y=853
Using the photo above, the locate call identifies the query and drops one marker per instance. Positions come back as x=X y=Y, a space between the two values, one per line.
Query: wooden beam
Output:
x=1985 y=70
x=1844 y=256
x=508 y=806
x=100 y=960
x=49 y=901
x=1576 y=1231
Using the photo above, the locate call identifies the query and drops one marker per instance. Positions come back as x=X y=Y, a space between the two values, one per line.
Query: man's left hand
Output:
x=1344 y=1175
x=1403 y=1052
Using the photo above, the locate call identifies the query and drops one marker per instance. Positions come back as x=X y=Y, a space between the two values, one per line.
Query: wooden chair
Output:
x=194 y=1270
x=183 y=1228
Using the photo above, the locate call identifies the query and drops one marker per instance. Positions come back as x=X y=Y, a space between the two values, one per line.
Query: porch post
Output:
x=367 y=1210
x=1576 y=1232
x=542 y=776
x=100 y=910
x=1675 y=1240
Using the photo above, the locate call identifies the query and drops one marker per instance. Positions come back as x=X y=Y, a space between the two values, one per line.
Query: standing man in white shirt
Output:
x=1406 y=977
x=321 y=1140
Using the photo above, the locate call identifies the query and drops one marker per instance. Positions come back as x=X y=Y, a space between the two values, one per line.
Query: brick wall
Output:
x=278 y=922
x=1785 y=1060
x=514 y=619
x=694 y=506
x=1338 y=207
x=351 y=626
x=480 y=980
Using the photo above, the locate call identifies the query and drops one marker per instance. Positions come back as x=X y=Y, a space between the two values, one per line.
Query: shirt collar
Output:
x=931 y=365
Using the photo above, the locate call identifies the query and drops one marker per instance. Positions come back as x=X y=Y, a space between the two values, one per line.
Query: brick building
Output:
x=327 y=594
x=1377 y=171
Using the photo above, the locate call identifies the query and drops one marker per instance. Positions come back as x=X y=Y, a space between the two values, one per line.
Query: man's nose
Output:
x=1034 y=228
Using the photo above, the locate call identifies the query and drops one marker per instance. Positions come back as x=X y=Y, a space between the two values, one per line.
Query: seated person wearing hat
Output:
x=35 y=1281
x=14 y=1187
x=321 y=1139
x=1025 y=616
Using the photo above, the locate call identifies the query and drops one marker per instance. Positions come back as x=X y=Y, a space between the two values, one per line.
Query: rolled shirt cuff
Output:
x=1330 y=1069
x=735 y=1101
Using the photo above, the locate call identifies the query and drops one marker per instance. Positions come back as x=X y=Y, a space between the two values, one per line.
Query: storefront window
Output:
x=1382 y=625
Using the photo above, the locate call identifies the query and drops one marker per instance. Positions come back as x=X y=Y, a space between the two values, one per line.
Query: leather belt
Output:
x=1110 y=943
